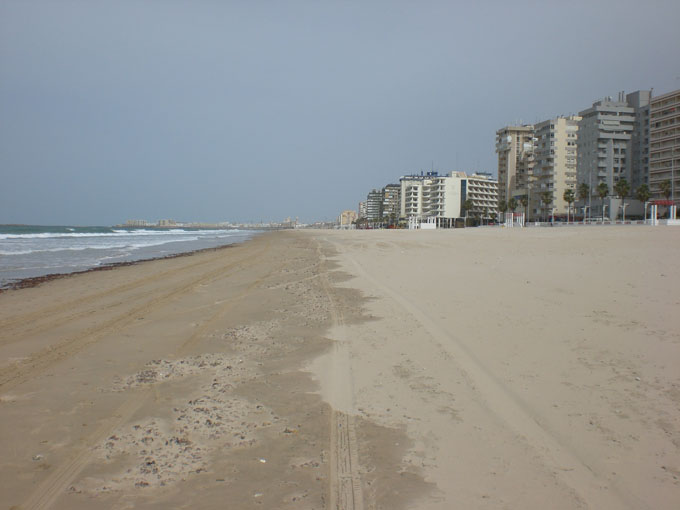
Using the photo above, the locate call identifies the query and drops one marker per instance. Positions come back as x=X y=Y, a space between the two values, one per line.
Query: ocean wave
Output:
x=118 y=233
x=108 y=246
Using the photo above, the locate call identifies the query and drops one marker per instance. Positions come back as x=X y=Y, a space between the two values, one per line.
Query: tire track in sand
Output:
x=585 y=478
x=60 y=480
x=48 y=316
x=15 y=374
x=345 y=481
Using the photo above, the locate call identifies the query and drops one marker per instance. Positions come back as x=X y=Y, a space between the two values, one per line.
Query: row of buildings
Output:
x=430 y=197
x=635 y=136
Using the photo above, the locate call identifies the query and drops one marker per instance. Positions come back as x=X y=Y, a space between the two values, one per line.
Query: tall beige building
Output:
x=664 y=144
x=555 y=159
x=391 y=201
x=347 y=218
x=514 y=146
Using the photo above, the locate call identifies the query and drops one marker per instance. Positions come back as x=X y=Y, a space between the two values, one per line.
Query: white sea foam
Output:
x=37 y=253
x=108 y=246
x=120 y=233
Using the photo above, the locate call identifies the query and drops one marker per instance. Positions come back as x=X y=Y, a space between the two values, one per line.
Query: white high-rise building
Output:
x=442 y=196
x=415 y=194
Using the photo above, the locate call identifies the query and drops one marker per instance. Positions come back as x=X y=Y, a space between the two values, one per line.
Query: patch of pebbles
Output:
x=254 y=340
x=158 y=452
x=165 y=452
x=161 y=370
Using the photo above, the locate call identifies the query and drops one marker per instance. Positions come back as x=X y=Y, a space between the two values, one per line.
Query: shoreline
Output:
x=34 y=281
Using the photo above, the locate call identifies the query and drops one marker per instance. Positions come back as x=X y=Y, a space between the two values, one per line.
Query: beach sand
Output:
x=476 y=368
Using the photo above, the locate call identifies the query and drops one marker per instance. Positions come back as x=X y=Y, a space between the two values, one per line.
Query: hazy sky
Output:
x=229 y=110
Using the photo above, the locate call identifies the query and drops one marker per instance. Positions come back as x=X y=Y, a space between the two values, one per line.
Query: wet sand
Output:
x=321 y=369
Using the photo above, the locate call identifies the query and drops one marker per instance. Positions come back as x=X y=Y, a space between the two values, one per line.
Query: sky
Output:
x=259 y=110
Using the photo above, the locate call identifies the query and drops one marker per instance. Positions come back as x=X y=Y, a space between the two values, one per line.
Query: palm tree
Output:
x=524 y=200
x=502 y=207
x=361 y=222
x=622 y=188
x=643 y=194
x=569 y=197
x=512 y=205
x=466 y=206
x=546 y=198
x=602 y=191
x=666 y=189
x=583 y=192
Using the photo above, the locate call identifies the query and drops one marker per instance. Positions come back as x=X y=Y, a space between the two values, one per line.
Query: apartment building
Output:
x=614 y=144
x=391 y=200
x=604 y=151
x=514 y=146
x=415 y=194
x=442 y=196
x=482 y=191
x=347 y=218
x=664 y=144
x=374 y=201
x=362 y=209
x=639 y=141
x=555 y=165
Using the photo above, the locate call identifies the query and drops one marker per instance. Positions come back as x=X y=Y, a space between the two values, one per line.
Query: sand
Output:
x=477 y=368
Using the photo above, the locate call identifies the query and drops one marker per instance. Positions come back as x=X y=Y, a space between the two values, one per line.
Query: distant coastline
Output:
x=205 y=227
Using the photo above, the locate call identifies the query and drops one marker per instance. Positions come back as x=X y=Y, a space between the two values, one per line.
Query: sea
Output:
x=34 y=251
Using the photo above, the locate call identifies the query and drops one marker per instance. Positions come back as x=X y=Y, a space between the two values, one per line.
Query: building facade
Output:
x=664 y=144
x=347 y=218
x=482 y=191
x=443 y=196
x=604 y=152
x=415 y=194
x=391 y=201
x=555 y=166
x=639 y=141
x=514 y=146
x=374 y=201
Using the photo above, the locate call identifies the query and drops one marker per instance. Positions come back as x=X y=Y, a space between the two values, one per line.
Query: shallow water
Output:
x=32 y=251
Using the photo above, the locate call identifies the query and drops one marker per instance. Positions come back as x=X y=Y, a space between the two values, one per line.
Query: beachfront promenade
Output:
x=457 y=368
